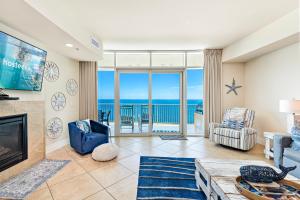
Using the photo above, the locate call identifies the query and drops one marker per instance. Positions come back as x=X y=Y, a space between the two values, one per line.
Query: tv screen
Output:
x=21 y=64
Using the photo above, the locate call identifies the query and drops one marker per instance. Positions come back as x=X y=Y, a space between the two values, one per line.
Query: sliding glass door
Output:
x=134 y=102
x=148 y=102
x=166 y=103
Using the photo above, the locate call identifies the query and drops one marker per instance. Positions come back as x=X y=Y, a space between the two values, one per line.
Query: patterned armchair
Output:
x=243 y=139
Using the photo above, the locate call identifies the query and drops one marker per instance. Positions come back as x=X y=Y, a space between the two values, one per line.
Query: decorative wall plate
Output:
x=51 y=72
x=72 y=87
x=54 y=127
x=58 y=101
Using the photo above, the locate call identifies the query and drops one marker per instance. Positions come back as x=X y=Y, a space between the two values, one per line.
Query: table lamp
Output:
x=292 y=107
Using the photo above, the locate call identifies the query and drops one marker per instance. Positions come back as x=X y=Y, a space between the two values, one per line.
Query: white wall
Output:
x=268 y=79
x=69 y=69
x=280 y=33
x=230 y=71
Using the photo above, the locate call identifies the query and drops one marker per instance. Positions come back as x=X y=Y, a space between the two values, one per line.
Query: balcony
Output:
x=134 y=118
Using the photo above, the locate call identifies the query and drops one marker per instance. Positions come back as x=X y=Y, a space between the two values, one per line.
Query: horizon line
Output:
x=152 y=99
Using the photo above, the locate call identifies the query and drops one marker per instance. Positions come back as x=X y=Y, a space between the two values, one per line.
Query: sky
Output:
x=164 y=86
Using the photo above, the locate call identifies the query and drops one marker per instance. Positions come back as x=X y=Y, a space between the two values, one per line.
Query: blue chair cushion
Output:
x=92 y=140
x=84 y=125
x=296 y=139
x=291 y=154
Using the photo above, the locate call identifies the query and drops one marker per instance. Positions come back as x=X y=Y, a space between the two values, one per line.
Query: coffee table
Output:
x=216 y=177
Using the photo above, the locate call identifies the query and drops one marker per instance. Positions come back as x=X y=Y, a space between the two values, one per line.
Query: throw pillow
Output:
x=296 y=139
x=236 y=114
x=84 y=126
x=233 y=124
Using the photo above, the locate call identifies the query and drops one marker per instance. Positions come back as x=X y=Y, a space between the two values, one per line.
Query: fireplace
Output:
x=13 y=140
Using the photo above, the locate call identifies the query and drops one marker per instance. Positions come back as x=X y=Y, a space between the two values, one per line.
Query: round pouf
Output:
x=105 y=152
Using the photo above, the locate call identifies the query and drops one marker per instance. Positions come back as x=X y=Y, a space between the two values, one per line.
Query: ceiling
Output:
x=21 y=20
x=167 y=24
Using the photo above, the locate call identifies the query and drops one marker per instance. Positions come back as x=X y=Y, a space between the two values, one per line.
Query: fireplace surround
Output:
x=13 y=140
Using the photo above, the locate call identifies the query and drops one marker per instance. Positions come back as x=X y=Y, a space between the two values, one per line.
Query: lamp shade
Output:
x=289 y=106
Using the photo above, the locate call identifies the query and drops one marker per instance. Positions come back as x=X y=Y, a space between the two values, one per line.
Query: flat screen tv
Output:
x=21 y=64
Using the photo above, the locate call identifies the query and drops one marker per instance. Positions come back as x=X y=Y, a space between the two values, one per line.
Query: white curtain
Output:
x=88 y=90
x=212 y=87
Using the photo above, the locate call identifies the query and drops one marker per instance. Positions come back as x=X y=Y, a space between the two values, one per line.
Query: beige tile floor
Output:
x=84 y=178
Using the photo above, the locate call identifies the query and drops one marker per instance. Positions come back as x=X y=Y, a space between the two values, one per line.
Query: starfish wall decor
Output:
x=233 y=87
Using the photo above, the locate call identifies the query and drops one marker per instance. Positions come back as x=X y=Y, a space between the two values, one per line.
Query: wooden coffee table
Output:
x=216 y=177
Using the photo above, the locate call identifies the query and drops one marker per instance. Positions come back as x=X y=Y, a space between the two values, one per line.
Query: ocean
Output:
x=163 y=110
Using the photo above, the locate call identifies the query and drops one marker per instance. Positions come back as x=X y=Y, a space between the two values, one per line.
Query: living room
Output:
x=131 y=100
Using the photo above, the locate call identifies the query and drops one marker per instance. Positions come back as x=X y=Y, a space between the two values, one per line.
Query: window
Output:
x=195 y=101
x=106 y=97
x=133 y=59
x=141 y=81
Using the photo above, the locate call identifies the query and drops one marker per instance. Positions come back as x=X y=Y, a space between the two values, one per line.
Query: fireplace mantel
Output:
x=36 y=138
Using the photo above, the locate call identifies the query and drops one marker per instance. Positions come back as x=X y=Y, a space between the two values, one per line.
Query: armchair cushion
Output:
x=235 y=114
x=83 y=125
x=92 y=140
x=291 y=154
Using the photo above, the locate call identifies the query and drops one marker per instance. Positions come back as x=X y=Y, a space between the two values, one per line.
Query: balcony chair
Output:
x=143 y=117
x=104 y=117
x=127 y=116
x=243 y=138
x=84 y=143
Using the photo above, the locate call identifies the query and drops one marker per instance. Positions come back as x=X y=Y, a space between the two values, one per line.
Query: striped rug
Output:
x=168 y=178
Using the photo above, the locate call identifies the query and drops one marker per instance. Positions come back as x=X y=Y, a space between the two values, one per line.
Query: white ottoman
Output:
x=105 y=152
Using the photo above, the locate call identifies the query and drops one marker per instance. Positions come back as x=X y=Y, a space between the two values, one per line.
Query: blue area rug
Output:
x=29 y=180
x=168 y=178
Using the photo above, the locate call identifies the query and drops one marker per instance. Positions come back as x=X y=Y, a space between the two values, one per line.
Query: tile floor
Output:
x=84 y=178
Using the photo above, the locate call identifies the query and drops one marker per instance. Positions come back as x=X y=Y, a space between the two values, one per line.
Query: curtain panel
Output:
x=212 y=87
x=88 y=90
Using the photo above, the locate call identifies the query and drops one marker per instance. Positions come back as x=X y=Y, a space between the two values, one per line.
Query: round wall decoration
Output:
x=72 y=87
x=58 y=101
x=51 y=71
x=54 y=127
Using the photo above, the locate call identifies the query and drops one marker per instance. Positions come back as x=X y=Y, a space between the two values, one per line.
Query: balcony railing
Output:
x=161 y=113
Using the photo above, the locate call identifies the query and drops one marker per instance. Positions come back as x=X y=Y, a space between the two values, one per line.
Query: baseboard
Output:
x=56 y=145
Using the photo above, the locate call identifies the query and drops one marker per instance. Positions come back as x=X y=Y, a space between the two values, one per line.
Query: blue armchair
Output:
x=85 y=143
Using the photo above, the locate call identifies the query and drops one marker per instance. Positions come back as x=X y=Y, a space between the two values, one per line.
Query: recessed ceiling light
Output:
x=69 y=45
